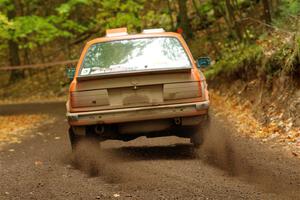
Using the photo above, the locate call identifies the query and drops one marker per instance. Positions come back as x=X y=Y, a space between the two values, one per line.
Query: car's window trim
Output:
x=81 y=64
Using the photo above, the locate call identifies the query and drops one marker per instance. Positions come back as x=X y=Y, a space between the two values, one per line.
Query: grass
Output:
x=234 y=59
x=273 y=55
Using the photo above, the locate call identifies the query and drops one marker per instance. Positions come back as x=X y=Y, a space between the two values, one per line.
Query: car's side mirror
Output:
x=203 y=62
x=70 y=71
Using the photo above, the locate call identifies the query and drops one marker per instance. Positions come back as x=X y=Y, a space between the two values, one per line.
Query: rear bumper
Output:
x=138 y=114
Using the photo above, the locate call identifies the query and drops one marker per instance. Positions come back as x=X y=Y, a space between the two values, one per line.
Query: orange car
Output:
x=127 y=86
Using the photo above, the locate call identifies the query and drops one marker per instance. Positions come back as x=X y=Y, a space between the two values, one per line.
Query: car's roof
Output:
x=148 y=34
x=134 y=36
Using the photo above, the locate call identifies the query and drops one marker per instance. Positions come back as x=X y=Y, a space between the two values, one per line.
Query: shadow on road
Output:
x=171 y=152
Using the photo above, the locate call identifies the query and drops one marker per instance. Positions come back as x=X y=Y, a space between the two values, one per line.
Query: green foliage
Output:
x=205 y=12
x=36 y=30
x=204 y=8
x=68 y=27
x=6 y=5
x=234 y=57
x=66 y=8
x=4 y=27
x=288 y=15
x=278 y=57
x=290 y=7
x=286 y=59
x=32 y=30
x=155 y=19
x=118 y=13
x=73 y=19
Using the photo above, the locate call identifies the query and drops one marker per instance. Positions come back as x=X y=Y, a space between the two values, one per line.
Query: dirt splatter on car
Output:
x=148 y=84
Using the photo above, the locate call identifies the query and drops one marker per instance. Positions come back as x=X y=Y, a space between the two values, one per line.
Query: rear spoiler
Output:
x=132 y=73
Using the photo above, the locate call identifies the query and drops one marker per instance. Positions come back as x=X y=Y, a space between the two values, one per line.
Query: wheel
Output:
x=198 y=135
x=197 y=139
x=76 y=140
x=85 y=153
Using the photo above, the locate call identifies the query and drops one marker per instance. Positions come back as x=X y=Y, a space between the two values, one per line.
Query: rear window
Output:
x=134 y=55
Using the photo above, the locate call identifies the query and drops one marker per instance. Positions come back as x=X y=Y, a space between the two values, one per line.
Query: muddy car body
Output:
x=147 y=84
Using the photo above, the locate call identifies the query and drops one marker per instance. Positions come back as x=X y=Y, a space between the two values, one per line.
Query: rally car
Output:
x=131 y=85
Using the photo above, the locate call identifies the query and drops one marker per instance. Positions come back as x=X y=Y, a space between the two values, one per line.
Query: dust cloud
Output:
x=244 y=158
x=238 y=157
x=220 y=150
x=96 y=162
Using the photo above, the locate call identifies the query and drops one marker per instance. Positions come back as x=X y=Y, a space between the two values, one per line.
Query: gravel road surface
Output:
x=226 y=167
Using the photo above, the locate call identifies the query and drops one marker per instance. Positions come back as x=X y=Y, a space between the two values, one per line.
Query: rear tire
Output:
x=75 y=140
x=197 y=139
x=198 y=136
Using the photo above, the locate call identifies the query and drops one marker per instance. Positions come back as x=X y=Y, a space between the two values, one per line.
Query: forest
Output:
x=245 y=145
x=235 y=33
x=255 y=42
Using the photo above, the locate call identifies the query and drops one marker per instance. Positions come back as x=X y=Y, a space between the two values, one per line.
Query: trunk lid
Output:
x=135 y=90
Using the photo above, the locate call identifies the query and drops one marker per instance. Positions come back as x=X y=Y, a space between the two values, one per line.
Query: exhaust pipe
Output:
x=99 y=130
x=177 y=121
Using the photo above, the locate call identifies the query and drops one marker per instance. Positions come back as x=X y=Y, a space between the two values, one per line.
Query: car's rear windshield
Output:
x=134 y=55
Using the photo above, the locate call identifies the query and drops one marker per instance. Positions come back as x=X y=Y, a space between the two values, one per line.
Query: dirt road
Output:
x=42 y=167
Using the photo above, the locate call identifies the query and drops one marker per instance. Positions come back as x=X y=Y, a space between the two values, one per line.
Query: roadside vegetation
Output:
x=239 y=35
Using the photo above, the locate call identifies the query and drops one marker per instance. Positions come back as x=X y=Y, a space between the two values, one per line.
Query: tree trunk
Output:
x=170 y=11
x=217 y=12
x=216 y=8
x=234 y=28
x=14 y=60
x=184 y=21
x=27 y=60
x=13 y=53
x=267 y=12
x=274 y=5
x=207 y=30
x=203 y=19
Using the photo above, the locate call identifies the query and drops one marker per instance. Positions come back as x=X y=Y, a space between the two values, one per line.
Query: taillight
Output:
x=186 y=90
x=89 y=98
